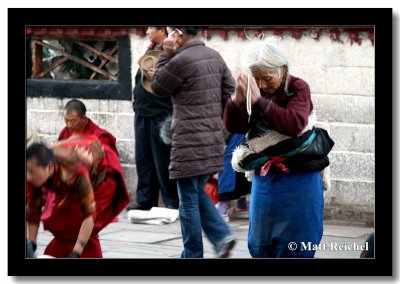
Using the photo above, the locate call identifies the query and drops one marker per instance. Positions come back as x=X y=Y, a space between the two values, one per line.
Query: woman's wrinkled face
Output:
x=268 y=81
x=37 y=175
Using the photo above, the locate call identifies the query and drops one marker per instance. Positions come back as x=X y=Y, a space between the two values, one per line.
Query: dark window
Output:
x=79 y=67
x=74 y=60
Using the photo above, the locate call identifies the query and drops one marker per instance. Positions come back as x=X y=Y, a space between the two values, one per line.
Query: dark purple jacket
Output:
x=288 y=114
x=200 y=83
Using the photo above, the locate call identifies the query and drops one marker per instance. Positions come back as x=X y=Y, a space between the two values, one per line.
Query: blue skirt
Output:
x=286 y=214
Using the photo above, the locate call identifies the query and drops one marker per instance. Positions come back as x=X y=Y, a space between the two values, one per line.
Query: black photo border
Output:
x=381 y=265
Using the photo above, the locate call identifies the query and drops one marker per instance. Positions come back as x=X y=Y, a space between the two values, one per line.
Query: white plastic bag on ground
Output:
x=156 y=216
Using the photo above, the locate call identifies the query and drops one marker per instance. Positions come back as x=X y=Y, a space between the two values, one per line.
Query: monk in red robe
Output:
x=77 y=123
x=86 y=191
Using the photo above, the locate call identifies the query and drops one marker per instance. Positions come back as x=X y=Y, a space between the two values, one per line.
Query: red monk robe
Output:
x=91 y=128
x=83 y=167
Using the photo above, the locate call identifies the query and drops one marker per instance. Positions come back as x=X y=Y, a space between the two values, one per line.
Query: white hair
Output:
x=265 y=53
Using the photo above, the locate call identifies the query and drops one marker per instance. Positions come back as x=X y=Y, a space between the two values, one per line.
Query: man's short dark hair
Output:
x=164 y=28
x=43 y=155
x=75 y=105
x=187 y=30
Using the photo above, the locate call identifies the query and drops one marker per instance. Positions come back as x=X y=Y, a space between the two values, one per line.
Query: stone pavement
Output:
x=123 y=239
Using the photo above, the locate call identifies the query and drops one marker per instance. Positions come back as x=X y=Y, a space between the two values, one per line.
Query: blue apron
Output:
x=286 y=214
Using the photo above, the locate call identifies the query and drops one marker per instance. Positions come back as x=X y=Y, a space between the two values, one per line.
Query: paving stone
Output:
x=346 y=231
x=123 y=239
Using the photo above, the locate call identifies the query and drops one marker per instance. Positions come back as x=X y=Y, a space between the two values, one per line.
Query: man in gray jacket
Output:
x=199 y=82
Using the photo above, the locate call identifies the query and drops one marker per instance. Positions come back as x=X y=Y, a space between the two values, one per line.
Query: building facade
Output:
x=338 y=63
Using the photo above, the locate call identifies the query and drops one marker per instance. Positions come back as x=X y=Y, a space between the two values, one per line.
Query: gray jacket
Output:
x=200 y=83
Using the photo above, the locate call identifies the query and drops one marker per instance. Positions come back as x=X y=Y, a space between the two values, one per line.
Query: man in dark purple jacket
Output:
x=199 y=82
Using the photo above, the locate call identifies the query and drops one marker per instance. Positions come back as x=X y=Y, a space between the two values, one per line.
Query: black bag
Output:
x=299 y=155
x=320 y=146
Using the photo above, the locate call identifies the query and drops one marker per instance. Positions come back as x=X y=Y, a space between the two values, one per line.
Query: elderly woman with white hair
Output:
x=286 y=205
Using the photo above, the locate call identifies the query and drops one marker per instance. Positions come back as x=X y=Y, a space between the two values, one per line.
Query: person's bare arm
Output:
x=86 y=194
x=84 y=234
x=33 y=229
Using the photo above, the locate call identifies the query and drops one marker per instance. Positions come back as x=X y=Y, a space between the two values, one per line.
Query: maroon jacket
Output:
x=287 y=114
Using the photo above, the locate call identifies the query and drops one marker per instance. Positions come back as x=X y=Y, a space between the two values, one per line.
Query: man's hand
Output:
x=169 y=46
x=30 y=249
x=150 y=72
x=74 y=254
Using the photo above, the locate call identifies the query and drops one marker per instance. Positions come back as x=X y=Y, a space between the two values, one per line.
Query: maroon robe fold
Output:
x=92 y=129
